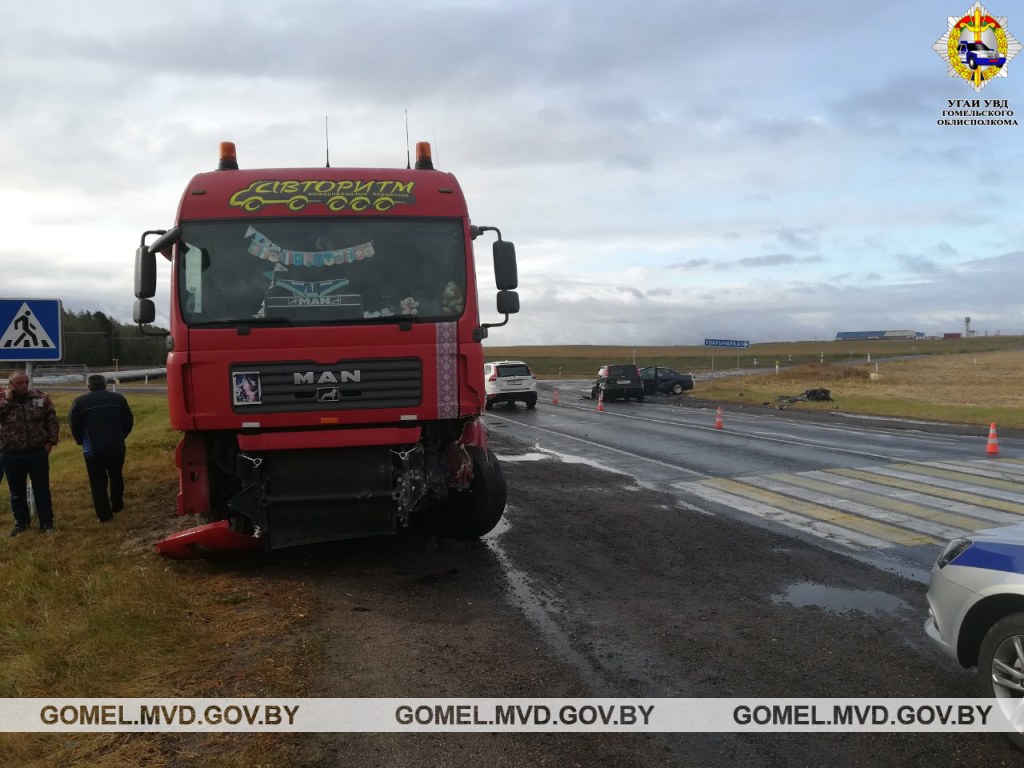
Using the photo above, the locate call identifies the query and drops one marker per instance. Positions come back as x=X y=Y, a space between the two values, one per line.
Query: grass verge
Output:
x=92 y=611
x=964 y=389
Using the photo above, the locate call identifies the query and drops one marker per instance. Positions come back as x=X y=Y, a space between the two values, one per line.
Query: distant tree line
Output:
x=96 y=340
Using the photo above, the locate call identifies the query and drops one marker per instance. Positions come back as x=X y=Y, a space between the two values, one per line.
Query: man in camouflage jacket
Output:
x=28 y=431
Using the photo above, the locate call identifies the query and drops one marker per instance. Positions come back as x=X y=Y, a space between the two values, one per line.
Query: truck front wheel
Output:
x=475 y=511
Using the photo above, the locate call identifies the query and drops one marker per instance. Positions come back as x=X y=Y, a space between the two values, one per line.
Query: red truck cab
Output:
x=325 y=363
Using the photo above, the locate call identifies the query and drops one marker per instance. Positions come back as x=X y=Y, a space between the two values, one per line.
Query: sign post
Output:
x=31 y=331
x=731 y=344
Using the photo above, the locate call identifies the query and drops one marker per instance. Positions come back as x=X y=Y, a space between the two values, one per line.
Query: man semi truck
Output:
x=325 y=363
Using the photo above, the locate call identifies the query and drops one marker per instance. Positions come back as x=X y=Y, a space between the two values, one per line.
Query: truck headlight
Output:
x=952 y=551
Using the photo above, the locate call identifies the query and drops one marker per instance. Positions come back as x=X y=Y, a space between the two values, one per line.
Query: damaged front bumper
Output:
x=206 y=540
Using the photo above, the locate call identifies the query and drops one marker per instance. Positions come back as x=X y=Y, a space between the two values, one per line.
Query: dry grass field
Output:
x=92 y=611
x=966 y=388
x=583 y=361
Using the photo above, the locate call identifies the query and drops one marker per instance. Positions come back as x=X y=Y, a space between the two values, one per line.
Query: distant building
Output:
x=877 y=335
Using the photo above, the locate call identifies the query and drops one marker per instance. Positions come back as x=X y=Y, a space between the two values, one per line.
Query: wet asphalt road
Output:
x=597 y=584
x=676 y=449
x=620 y=571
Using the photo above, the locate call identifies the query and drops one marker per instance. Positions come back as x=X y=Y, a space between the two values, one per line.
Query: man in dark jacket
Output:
x=28 y=431
x=100 y=421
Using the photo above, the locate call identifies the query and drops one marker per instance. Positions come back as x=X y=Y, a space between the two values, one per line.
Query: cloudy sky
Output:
x=668 y=170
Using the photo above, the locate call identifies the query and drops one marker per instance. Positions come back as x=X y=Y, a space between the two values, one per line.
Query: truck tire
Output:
x=476 y=511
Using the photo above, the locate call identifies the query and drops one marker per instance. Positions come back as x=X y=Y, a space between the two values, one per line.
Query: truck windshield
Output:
x=321 y=271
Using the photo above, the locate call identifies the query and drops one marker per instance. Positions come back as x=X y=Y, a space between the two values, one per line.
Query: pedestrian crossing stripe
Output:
x=936 y=495
x=783 y=486
x=25 y=332
x=879 y=507
x=894 y=505
x=878 y=530
x=1005 y=472
x=827 y=531
x=961 y=477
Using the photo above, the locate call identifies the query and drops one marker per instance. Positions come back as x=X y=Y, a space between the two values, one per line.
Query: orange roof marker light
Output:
x=423 y=160
x=228 y=159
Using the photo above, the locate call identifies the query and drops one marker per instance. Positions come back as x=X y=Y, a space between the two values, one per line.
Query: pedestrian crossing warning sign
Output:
x=32 y=330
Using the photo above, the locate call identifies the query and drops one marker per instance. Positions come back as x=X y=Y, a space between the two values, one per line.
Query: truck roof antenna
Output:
x=408 y=155
x=437 y=155
x=327 y=141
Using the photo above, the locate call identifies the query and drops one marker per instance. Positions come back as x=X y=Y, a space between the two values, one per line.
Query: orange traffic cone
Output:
x=993 y=443
x=718 y=421
x=600 y=400
x=555 y=398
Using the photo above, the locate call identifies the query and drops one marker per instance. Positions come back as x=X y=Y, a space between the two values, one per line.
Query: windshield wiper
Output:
x=262 y=320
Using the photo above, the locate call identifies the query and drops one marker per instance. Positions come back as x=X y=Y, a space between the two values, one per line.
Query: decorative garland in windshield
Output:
x=262 y=247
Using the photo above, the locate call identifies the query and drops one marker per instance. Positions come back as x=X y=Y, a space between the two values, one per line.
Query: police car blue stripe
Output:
x=993 y=556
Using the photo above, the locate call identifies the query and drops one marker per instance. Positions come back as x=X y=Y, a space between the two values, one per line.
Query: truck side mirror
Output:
x=508 y=302
x=145 y=273
x=144 y=311
x=506 y=276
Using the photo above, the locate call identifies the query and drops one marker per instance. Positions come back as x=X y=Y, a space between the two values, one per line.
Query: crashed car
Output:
x=618 y=381
x=976 y=611
x=665 y=381
x=820 y=395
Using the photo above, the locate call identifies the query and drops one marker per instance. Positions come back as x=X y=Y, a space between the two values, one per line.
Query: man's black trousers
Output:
x=19 y=466
x=100 y=472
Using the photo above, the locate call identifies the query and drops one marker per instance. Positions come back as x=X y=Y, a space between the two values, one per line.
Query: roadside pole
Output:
x=28 y=370
x=731 y=344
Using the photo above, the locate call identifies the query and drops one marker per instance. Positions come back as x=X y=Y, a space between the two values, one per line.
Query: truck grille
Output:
x=381 y=383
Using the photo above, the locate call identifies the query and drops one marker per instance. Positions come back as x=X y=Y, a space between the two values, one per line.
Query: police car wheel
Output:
x=972 y=63
x=1001 y=666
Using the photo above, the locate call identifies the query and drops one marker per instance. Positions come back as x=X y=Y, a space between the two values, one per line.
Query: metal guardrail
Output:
x=139 y=374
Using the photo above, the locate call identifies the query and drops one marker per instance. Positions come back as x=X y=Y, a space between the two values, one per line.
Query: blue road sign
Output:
x=31 y=330
x=726 y=343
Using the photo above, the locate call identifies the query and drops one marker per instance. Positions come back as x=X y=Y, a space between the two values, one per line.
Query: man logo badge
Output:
x=327 y=377
x=327 y=394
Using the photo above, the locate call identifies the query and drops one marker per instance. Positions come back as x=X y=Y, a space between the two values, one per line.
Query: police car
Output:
x=975 y=55
x=976 y=611
x=508 y=381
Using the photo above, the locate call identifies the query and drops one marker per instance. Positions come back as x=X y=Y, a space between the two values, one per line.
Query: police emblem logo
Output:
x=977 y=46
